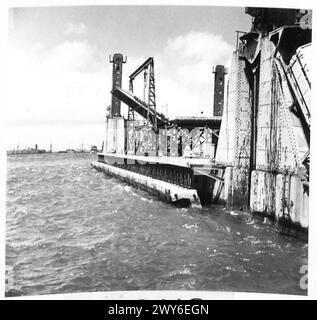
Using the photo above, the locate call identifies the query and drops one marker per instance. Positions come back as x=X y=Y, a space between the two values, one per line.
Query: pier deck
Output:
x=174 y=161
x=198 y=174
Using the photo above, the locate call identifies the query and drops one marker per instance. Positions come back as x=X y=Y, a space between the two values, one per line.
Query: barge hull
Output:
x=166 y=191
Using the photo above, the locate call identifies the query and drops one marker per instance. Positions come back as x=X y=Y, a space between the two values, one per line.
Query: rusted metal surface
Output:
x=115 y=138
x=226 y=143
x=280 y=135
x=117 y=61
x=234 y=138
x=262 y=195
x=196 y=173
x=149 y=85
x=266 y=110
x=193 y=122
x=219 y=89
x=265 y=131
x=268 y=19
x=166 y=190
x=173 y=142
x=263 y=144
x=139 y=106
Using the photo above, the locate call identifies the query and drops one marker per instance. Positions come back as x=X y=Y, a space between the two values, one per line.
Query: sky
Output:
x=59 y=75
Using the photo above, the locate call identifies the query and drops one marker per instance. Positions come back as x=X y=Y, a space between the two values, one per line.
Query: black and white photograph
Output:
x=157 y=148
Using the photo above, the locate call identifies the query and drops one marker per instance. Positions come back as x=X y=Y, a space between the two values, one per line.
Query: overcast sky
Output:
x=60 y=77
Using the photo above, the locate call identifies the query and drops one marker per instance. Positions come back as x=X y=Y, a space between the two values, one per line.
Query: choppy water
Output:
x=70 y=228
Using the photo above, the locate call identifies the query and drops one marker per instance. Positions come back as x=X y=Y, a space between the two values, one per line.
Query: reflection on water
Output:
x=70 y=228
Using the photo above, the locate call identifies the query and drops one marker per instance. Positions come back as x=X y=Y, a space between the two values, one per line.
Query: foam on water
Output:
x=71 y=229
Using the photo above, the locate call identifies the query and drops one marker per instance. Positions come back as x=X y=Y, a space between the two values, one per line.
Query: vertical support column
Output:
x=117 y=61
x=241 y=163
x=131 y=111
x=152 y=103
x=115 y=124
x=152 y=97
x=115 y=135
x=234 y=138
x=264 y=162
x=219 y=89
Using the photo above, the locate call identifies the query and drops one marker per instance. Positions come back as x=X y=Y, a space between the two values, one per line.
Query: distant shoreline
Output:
x=46 y=153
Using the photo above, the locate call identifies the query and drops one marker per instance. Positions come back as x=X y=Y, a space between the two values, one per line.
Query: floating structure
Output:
x=159 y=155
x=253 y=154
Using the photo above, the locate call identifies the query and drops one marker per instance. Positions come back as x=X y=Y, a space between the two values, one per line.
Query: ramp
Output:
x=139 y=106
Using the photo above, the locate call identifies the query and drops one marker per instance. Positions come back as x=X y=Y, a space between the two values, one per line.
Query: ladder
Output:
x=287 y=204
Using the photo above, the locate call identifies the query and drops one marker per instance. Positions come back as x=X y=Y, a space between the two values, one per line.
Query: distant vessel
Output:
x=35 y=150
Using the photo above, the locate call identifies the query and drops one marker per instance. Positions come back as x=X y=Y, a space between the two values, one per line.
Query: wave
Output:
x=98 y=233
x=191 y=227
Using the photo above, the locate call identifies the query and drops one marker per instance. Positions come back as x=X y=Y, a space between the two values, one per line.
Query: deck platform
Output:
x=173 y=161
